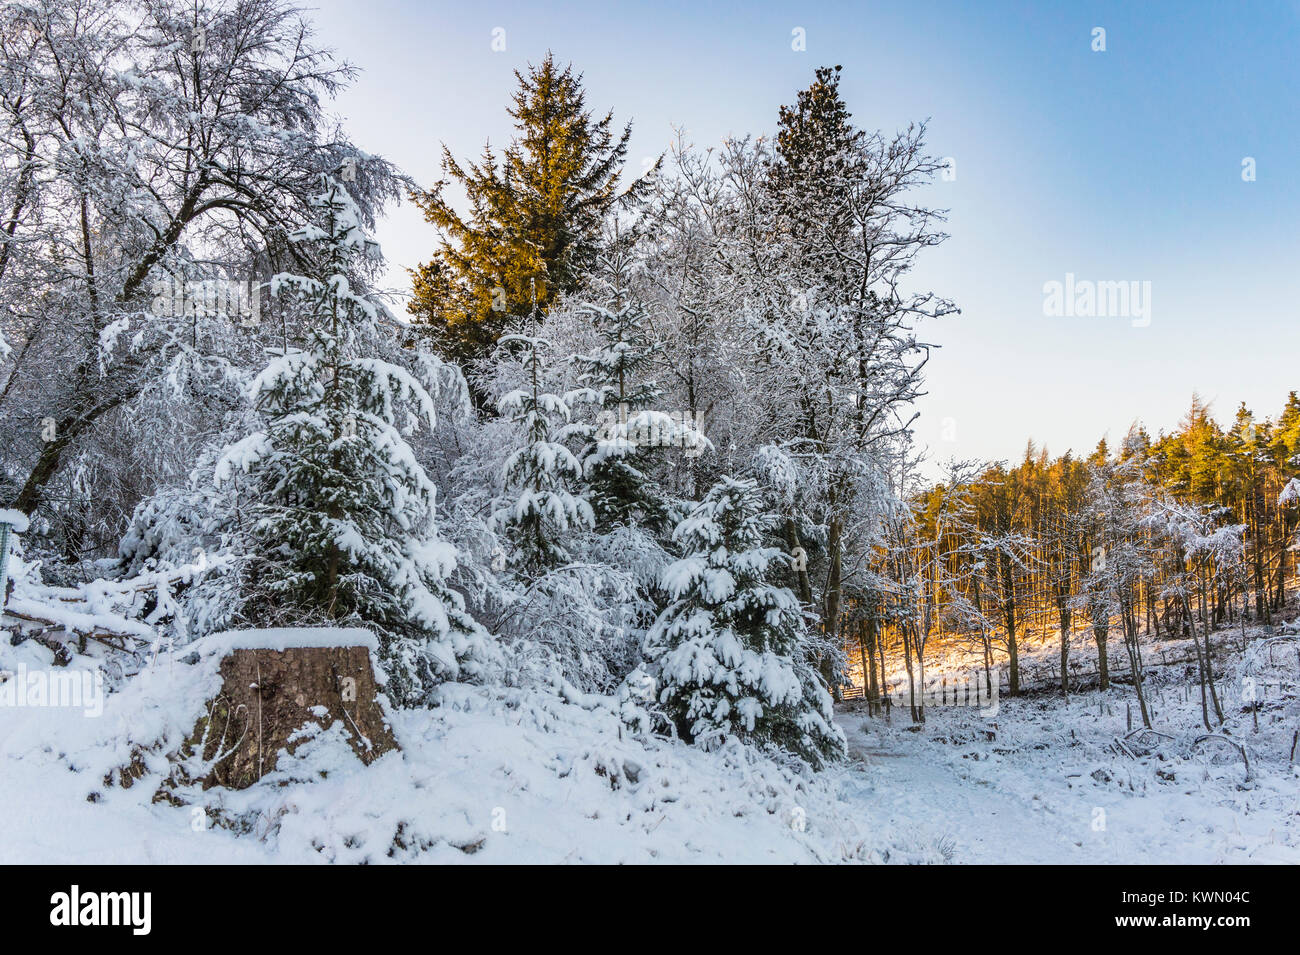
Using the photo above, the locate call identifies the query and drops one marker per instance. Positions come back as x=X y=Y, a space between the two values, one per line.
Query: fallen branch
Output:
x=97 y=633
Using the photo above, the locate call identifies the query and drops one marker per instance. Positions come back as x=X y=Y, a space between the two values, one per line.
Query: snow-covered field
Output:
x=501 y=776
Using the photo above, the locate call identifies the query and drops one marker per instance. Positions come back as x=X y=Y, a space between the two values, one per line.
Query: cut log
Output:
x=270 y=691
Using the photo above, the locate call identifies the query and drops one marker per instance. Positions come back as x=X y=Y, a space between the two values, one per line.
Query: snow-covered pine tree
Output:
x=616 y=377
x=343 y=514
x=728 y=654
x=541 y=508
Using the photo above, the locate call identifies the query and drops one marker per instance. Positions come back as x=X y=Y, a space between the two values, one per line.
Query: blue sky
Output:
x=1122 y=165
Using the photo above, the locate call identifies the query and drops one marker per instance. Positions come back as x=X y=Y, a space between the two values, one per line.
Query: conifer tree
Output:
x=1286 y=460
x=534 y=219
x=729 y=653
x=818 y=152
x=540 y=477
x=343 y=514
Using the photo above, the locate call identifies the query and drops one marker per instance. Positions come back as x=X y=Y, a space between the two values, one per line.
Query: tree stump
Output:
x=273 y=688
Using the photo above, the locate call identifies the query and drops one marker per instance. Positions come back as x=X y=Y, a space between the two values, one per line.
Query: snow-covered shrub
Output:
x=729 y=652
x=573 y=603
x=179 y=526
x=543 y=505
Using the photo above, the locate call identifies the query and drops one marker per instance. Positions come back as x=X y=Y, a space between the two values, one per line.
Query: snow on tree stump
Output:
x=276 y=682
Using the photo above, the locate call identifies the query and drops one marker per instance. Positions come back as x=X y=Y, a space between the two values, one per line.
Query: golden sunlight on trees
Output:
x=534 y=216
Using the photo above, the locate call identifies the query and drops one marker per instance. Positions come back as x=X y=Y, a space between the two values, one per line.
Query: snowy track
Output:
x=1013 y=802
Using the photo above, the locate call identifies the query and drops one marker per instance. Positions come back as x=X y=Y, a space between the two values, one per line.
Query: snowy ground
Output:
x=514 y=776
x=1045 y=781
x=1041 y=795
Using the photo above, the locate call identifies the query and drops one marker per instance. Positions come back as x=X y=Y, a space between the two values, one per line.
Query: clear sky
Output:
x=1122 y=165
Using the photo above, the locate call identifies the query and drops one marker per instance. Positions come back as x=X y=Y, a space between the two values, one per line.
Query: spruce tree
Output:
x=728 y=654
x=343 y=514
x=534 y=220
x=542 y=507
x=818 y=153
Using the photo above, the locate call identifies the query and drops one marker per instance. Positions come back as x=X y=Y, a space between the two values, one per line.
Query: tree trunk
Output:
x=831 y=619
x=1064 y=608
x=1009 y=617
x=1135 y=660
x=872 y=687
x=1100 y=632
x=803 y=583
